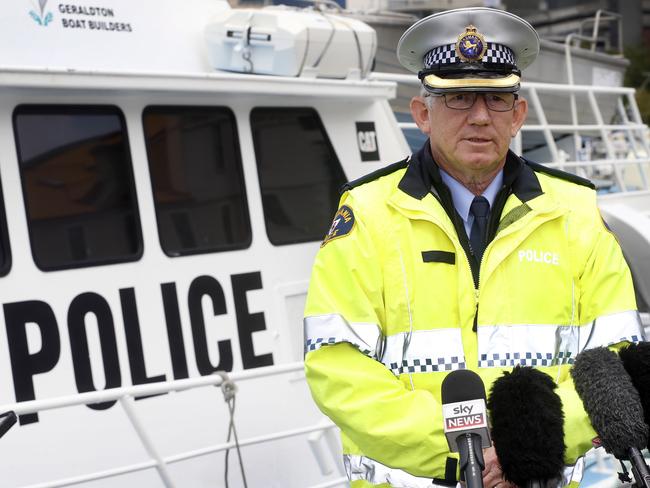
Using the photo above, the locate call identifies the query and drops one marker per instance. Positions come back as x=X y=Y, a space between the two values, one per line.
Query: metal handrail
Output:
x=150 y=389
x=547 y=87
x=604 y=15
x=125 y=396
x=593 y=39
x=631 y=126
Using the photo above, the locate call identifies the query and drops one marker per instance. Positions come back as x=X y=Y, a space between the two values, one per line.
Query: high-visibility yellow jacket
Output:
x=396 y=302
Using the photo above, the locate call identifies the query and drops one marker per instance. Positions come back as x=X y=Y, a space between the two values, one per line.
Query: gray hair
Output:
x=426 y=96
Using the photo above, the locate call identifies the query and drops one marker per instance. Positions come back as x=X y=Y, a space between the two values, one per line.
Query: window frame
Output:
x=240 y=169
x=80 y=109
x=5 y=267
x=256 y=150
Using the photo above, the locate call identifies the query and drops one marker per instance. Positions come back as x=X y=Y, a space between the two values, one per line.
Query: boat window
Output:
x=298 y=171
x=78 y=186
x=5 y=250
x=197 y=179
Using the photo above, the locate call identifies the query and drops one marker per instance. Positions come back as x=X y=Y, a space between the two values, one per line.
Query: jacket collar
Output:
x=423 y=176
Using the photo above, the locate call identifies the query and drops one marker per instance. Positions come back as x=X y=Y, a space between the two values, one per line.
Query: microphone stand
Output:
x=471 y=459
x=639 y=468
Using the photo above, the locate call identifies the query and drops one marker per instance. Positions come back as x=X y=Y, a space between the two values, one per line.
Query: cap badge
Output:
x=471 y=45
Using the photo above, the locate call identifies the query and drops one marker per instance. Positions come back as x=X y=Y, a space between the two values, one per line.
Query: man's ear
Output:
x=520 y=113
x=420 y=114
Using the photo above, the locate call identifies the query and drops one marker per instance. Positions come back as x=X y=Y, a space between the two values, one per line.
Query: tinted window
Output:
x=5 y=251
x=77 y=181
x=299 y=173
x=197 y=179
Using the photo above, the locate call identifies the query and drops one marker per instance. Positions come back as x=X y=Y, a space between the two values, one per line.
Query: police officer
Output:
x=464 y=255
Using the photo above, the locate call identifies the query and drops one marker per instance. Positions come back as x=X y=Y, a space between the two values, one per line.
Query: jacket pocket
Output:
x=439 y=257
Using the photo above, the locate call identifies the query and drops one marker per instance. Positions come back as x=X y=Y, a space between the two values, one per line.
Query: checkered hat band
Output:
x=495 y=53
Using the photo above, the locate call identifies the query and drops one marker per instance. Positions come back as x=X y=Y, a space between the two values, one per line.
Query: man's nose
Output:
x=479 y=114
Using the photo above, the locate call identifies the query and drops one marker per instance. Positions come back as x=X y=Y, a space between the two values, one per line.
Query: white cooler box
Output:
x=285 y=41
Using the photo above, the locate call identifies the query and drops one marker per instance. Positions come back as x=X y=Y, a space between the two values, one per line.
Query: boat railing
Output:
x=125 y=396
x=623 y=141
x=597 y=20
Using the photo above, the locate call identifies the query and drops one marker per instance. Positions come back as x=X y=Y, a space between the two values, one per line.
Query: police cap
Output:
x=469 y=49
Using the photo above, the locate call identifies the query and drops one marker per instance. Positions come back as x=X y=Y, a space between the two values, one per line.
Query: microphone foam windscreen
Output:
x=462 y=385
x=611 y=400
x=527 y=425
x=636 y=360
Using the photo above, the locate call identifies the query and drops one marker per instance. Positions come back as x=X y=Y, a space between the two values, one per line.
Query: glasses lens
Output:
x=500 y=102
x=460 y=100
x=496 y=101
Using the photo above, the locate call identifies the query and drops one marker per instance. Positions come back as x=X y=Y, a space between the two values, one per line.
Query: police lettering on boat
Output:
x=168 y=174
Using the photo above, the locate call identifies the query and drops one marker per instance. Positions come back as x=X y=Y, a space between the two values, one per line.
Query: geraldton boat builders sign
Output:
x=79 y=16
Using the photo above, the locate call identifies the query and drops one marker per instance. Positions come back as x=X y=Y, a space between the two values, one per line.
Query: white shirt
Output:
x=462 y=197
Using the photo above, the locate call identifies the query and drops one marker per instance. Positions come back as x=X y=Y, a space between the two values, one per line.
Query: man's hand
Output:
x=492 y=474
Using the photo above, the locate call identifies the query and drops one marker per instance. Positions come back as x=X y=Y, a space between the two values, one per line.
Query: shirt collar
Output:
x=463 y=198
x=422 y=176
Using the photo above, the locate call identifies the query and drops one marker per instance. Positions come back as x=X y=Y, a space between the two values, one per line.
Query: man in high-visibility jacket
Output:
x=464 y=255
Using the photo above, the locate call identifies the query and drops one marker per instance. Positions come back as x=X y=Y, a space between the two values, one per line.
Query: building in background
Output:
x=553 y=19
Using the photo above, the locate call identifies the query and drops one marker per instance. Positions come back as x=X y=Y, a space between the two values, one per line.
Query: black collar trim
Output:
x=525 y=185
x=423 y=173
x=416 y=180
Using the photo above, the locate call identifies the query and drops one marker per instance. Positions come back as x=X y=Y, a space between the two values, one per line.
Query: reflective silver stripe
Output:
x=527 y=345
x=321 y=330
x=425 y=352
x=550 y=344
x=612 y=329
x=574 y=473
x=366 y=469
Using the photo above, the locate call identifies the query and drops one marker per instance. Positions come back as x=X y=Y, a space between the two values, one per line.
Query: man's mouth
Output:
x=477 y=140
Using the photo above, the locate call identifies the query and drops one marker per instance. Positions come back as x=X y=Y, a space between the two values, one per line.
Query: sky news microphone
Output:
x=636 y=360
x=614 y=407
x=528 y=427
x=466 y=427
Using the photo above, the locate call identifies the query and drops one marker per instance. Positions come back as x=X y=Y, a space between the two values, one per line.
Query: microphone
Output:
x=466 y=428
x=7 y=422
x=528 y=427
x=614 y=407
x=636 y=360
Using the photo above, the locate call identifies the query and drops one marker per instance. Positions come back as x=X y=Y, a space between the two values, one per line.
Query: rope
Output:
x=229 y=390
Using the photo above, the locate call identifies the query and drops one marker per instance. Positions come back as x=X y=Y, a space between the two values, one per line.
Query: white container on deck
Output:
x=288 y=42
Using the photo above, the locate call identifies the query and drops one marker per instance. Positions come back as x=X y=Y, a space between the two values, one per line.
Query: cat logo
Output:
x=367 y=141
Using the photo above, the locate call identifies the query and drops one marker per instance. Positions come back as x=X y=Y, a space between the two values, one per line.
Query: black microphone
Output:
x=466 y=428
x=7 y=422
x=636 y=360
x=614 y=407
x=528 y=427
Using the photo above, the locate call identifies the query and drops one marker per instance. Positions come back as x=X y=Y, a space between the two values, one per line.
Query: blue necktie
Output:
x=480 y=209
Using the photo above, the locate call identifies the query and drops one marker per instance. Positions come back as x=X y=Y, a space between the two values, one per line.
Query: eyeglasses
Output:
x=495 y=101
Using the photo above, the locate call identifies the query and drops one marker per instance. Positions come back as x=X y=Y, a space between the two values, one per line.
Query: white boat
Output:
x=159 y=219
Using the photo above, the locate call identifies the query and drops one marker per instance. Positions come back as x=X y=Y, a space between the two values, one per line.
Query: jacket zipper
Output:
x=493 y=222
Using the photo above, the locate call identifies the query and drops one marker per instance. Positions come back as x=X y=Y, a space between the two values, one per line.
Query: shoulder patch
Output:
x=578 y=180
x=375 y=175
x=341 y=225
